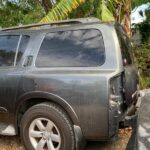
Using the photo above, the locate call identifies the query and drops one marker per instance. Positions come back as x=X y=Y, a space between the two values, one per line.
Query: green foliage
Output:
x=62 y=10
x=103 y=11
x=85 y=10
x=94 y=8
x=142 y=55
x=97 y=8
x=145 y=32
x=144 y=28
x=136 y=3
x=142 y=52
x=106 y=10
x=14 y=13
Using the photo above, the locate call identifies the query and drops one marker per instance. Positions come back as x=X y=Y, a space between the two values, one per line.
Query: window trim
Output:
x=17 y=50
x=66 y=67
x=22 y=35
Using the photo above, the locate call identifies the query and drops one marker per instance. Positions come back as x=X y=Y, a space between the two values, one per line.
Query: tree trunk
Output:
x=127 y=18
x=122 y=15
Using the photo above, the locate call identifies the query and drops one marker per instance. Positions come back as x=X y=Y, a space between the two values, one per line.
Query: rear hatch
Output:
x=130 y=74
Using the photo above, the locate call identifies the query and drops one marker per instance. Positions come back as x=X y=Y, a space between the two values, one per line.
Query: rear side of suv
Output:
x=68 y=80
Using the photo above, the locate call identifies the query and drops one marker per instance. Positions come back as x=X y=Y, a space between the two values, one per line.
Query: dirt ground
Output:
x=14 y=143
x=120 y=144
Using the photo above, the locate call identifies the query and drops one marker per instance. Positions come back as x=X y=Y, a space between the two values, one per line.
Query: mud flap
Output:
x=80 y=140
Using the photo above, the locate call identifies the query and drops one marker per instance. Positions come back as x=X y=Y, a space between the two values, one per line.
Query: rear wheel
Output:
x=47 y=127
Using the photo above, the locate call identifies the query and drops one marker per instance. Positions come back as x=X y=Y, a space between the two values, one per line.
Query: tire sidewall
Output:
x=59 y=119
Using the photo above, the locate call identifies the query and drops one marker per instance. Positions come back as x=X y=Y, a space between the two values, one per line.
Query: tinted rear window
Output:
x=80 y=48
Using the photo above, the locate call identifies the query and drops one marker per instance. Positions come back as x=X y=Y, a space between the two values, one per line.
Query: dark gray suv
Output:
x=64 y=81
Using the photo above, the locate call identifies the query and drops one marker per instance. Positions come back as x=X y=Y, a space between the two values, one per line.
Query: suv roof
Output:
x=55 y=23
x=70 y=22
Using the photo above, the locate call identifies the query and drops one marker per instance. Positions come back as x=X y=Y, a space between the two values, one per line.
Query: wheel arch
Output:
x=32 y=98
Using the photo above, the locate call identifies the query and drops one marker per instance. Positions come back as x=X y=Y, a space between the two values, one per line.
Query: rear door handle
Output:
x=28 y=61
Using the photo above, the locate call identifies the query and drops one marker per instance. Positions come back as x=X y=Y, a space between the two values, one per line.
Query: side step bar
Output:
x=7 y=129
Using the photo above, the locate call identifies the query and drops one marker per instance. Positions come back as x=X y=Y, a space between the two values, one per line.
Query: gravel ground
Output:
x=10 y=143
x=13 y=143
x=120 y=144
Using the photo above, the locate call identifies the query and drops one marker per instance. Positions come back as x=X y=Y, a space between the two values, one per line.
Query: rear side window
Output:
x=80 y=48
x=8 y=46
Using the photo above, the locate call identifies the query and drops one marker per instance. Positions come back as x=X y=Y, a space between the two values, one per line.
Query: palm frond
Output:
x=103 y=12
x=62 y=10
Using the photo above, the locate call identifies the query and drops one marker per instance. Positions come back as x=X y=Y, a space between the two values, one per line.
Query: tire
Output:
x=47 y=126
x=131 y=84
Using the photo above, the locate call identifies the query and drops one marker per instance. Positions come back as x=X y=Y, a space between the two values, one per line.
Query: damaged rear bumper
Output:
x=118 y=120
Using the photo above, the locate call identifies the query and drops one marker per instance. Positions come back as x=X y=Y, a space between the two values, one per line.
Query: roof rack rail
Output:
x=54 y=23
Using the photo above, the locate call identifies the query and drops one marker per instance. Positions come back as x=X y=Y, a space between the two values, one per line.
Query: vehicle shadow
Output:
x=120 y=144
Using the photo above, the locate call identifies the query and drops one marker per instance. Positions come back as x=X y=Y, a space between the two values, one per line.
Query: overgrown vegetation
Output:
x=142 y=52
x=13 y=13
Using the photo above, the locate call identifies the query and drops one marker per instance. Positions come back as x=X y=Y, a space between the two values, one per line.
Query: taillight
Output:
x=116 y=89
x=115 y=97
x=116 y=86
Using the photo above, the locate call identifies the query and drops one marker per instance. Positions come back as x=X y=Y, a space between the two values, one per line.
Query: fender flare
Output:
x=49 y=97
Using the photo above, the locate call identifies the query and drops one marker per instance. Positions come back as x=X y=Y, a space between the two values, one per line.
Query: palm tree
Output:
x=105 y=10
x=62 y=9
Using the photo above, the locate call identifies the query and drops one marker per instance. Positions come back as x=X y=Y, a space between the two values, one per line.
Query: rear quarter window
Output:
x=79 y=48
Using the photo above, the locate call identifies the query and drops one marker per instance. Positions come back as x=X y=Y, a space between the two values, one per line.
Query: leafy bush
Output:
x=14 y=12
x=142 y=54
